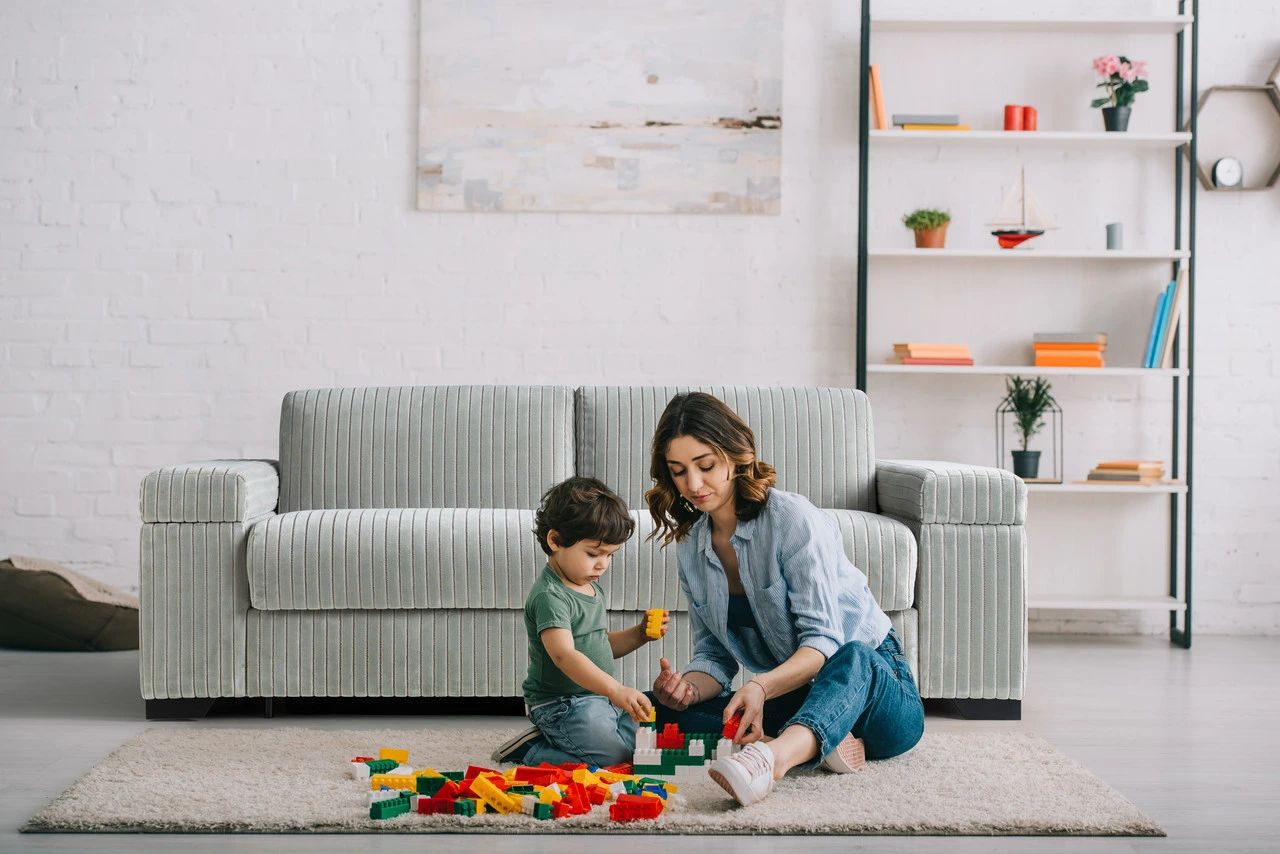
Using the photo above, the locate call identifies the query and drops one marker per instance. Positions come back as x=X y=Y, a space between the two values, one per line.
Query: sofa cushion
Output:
x=819 y=439
x=424 y=446
x=885 y=550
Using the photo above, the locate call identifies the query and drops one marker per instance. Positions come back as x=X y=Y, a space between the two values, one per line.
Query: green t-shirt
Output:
x=553 y=605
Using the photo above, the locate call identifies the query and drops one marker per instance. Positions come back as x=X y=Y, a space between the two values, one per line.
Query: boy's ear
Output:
x=553 y=540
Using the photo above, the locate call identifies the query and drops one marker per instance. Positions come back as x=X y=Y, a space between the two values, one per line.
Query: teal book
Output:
x=1157 y=325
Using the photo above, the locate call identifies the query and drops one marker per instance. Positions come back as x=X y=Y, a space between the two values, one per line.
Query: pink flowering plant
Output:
x=1122 y=78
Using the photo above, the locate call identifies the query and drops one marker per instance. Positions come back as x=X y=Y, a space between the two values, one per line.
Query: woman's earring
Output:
x=689 y=506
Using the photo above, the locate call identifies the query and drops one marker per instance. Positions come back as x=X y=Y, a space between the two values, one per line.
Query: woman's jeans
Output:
x=860 y=690
x=586 y=728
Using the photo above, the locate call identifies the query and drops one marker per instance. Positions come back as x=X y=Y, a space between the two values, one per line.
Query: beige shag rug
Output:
x=196 y=780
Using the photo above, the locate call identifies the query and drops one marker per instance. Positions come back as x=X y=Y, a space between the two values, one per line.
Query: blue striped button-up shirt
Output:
x=803 y=590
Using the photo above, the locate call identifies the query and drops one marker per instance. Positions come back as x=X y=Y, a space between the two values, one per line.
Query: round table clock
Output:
x=1228 y=172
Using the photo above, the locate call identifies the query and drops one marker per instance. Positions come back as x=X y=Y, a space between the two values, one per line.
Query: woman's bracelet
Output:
x=762 y=688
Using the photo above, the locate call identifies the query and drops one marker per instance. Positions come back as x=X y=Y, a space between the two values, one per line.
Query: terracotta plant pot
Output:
x=931 y=238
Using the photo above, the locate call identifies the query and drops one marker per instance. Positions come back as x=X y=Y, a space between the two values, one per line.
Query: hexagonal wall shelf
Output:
x=1269 y=92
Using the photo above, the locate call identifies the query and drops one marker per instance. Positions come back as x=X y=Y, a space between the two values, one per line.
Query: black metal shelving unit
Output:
x=1186 y=100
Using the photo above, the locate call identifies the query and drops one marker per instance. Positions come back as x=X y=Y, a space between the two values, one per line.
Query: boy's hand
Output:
x=632 y=701
x=655 y=623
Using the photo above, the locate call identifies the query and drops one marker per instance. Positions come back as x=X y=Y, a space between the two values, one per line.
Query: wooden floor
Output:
x=1190 y=737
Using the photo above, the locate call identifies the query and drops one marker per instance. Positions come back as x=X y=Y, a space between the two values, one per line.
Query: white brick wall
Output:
x=203 y=206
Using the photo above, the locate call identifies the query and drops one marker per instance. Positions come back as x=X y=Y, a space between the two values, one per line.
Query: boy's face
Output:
x=581 y=563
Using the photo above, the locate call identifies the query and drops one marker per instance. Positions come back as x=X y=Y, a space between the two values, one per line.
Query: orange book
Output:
x=1131 y=464
x=912 y=360
x=933 y=354
x=1072 y=361
x=914 y=348
x=877 y=100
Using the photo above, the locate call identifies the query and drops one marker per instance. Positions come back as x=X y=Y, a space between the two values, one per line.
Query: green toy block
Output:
x=464 y=806
x=430 y=785
x=455 y=776
x=389 y=808
x=522 y=790
x=541 y=810
x=381 y=766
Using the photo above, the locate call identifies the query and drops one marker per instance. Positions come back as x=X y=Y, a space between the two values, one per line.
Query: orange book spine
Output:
x=877 y=100
x=1067 y=345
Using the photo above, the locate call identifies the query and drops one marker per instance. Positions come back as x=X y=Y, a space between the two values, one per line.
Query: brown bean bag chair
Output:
x=44 y=605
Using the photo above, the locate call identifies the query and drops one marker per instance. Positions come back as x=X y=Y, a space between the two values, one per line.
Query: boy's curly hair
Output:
x=582 y=508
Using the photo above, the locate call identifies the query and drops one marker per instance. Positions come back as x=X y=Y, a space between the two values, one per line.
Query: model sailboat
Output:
x=1021 y=217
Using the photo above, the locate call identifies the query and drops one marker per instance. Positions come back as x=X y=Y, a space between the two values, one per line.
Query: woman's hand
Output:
x=671 y=690
x=750 y=700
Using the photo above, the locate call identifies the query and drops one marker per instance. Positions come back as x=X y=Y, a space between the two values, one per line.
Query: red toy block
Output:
x=561 y=810
x=464 y=788
x=476 y=771
x=620 y=768
x=432 y=806
x=731 y=728
x=449 y=790
x=365 y=759
x=498 y=780
x=633 y=807
x=598 y=794
x=670 y=738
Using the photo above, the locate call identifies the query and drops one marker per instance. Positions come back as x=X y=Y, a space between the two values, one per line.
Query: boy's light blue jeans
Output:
x=586 y=728
x=860 y=690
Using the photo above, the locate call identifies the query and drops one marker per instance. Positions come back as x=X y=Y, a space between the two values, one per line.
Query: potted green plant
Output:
x=1123 y=80
x=1029 y=400
x=929 y=225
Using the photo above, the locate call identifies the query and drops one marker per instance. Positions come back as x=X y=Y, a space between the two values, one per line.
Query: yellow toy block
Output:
x=493 y=796
x=653 y=623
x=614 y=777
x=550 y=794
x=401 y=756
x=585 y=777
x=394 y=781
x=428 y=772
x=653 y=715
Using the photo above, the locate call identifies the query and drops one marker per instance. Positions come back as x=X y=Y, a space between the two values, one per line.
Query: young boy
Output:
x=579 y=711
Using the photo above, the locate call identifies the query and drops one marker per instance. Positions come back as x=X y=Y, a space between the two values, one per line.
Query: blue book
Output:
x=1157 y=325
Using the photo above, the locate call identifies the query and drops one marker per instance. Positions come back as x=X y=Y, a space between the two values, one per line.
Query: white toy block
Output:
x=555 y=787
x=527 y=802
x=697 y=747
x=646 y=739
x=382 y=795
x=413 y=803
x=401 y=769
x=616 y=789
x=647 y=757
x=359 y=771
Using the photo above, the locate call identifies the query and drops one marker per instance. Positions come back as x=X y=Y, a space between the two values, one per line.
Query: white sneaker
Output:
x=513 y=749
x=848 y=756
x=747 y=774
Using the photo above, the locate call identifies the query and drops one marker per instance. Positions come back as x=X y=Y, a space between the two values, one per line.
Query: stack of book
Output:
x=1142 y=472
x=1164 y=323
x=928 y=121
x=931 y=354
x=1070 y=349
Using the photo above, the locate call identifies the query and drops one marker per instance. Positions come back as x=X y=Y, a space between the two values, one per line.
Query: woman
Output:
x=769 y=586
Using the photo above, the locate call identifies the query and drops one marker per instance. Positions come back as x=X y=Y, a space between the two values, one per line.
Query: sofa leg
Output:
x=989 y=710
x=267 y=710
x=183 y=709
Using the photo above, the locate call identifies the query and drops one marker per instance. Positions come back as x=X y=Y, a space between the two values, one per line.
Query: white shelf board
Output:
x=1129 y=489
x=1107 y=603
x=1036 y=254
x=1024 y=369
x=1170 y=140
x=1158 y=24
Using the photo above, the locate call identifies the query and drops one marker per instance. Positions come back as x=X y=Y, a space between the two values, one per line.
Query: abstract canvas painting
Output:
x=625 y=106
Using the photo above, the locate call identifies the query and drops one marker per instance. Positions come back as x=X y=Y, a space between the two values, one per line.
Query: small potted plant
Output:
x=1123 y=79
x=1029 y=400
x=930 y=227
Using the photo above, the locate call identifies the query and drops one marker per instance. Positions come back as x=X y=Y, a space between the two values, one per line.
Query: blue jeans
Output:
x=585 y=728
x=859 y=690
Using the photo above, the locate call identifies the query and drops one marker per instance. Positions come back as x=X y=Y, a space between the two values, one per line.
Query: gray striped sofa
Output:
x=388 y=551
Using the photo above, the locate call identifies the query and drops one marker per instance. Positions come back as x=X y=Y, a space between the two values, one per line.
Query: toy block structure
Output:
x=653 y=623
x=543 y=793
x=678 y=754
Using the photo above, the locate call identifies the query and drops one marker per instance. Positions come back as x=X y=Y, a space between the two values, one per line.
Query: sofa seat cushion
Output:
x=885 y=550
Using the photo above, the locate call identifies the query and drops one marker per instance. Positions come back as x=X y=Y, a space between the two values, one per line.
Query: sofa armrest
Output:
x=950 y=493
x=195 y=580
x=211 y=491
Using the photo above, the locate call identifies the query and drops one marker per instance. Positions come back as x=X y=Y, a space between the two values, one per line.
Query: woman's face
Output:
x=700 y=474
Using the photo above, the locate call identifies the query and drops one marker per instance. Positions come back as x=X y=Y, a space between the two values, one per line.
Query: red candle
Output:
x=1028 y=118
x=1012 y=117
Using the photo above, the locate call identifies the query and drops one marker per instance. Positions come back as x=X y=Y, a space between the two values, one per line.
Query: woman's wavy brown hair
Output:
x=707 y=419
